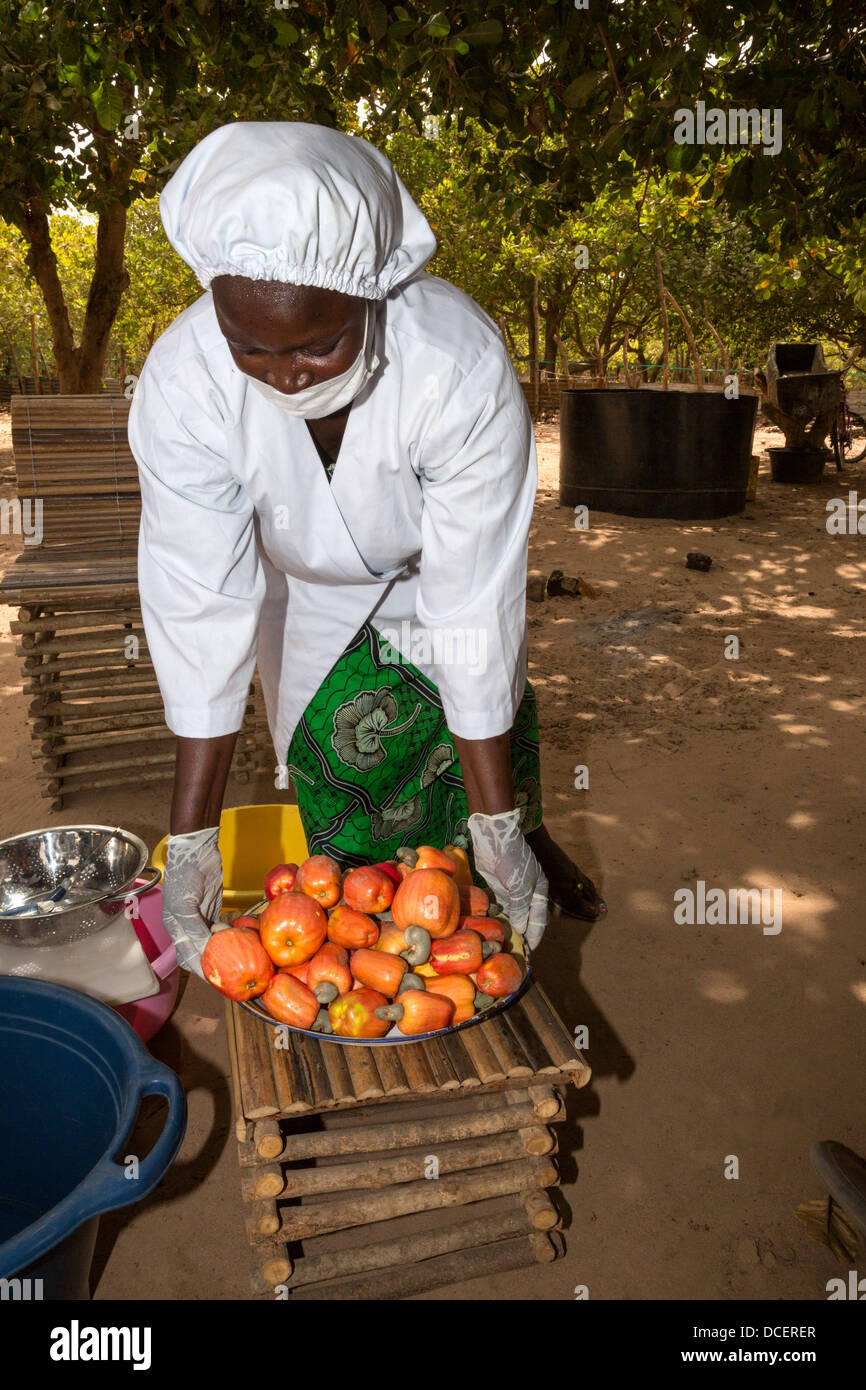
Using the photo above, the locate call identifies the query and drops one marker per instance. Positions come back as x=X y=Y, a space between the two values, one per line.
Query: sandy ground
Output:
x=706 y=1041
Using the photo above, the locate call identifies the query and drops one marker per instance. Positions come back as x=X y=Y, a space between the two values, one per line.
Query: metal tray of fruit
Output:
x=517 y=948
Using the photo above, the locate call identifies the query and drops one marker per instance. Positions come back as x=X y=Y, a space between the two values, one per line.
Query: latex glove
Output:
x=192 y=888
x=504 y=858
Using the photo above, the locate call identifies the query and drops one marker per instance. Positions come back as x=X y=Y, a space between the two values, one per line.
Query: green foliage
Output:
x=554 y=120
x=160 y=285
x=713 y=260
x=604 y=85
x=125 y=90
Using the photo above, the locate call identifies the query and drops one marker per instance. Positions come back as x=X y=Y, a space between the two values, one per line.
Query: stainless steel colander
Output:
x=98 y=867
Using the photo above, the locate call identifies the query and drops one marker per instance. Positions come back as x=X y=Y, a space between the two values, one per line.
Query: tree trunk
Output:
x=110 y=279
x=551 y=332
x=78 y=368
x=13 y=357
x=798 y=433
x=726 y=358
x=663 y=309
x=504 y=329
x=533 y=346
x=690 y=339
x=564 y=358
x=642 y=362
x=554 y=312
x=43 y=266
x=586 y=355
x=34 y=357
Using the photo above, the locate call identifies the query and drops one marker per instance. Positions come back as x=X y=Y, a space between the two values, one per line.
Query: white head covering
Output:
x=296 y=203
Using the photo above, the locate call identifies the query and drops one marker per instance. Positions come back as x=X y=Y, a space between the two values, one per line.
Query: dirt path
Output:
x=706 y=1041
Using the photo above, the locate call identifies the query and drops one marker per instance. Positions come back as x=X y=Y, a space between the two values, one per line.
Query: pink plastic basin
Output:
x=147 y=1016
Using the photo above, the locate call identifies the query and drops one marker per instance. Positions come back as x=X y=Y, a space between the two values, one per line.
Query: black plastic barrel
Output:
x=678 y=454
x=803 y=465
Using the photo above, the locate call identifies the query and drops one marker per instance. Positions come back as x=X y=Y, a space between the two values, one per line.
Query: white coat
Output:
x=247 y=554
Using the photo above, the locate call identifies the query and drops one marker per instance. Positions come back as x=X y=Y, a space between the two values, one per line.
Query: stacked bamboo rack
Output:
x=72 y=453
x=351 y=1156
x=95 y=710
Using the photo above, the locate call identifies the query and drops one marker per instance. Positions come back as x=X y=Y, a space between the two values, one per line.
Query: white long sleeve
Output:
x=200 y=577
x=478 y=478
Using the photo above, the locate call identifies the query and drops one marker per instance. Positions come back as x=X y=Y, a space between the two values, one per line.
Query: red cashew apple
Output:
x=499 y=975
x=457 y=954
x=474 y=902
x=460 y=989
x=427 y=898
x=330 y=964
x=368 y=890
x=290 y=1001
x=416 y=1012
x=321 y=878
x=351 y=929
x=244 y=920
x=425 y=857
x=235 y=962
x=293 y=928
x=488 y=928
x=378 y=970
x=392 y=869
x=280 y=880
x=353 y=1015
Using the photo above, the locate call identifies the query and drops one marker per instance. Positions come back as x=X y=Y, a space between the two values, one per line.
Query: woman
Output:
x=337 y=474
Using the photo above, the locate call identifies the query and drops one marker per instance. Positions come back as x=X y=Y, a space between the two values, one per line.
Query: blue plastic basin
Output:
x=72 y=1075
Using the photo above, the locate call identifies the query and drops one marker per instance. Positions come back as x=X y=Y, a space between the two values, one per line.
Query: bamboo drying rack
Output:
x=335 y=1144
x=95 y=710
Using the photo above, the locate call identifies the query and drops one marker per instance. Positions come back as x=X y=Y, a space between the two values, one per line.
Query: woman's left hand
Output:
x=504 y=859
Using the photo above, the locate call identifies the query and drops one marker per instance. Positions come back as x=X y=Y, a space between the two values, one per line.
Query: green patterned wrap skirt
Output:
x=374 y=764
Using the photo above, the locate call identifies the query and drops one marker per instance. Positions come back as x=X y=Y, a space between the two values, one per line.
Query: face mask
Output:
x=324 y=397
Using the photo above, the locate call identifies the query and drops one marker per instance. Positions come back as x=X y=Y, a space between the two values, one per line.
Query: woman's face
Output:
x=290 y=336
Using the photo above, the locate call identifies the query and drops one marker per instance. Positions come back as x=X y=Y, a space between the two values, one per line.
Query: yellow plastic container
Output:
x=252 y=840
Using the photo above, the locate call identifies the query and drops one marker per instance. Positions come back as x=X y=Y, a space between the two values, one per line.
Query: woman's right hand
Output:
x=192 y=887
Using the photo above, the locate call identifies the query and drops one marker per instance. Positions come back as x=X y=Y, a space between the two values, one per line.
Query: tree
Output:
x=100 y=102
x=576 y=102
x=594 y=268
x=582 y=98
x=160 y=286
